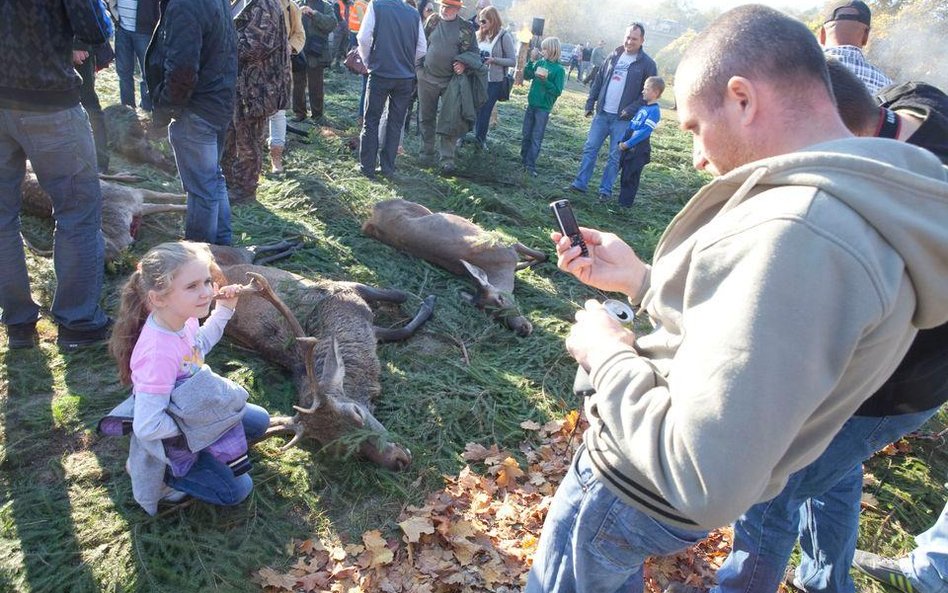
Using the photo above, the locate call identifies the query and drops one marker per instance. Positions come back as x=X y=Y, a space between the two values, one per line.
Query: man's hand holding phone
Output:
x=611 y=265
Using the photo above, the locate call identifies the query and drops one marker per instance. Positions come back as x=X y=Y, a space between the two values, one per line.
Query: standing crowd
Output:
x=827 y=204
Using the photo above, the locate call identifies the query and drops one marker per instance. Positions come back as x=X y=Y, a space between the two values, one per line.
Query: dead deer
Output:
x=461 y=247
x=129 y=137
x=122 y=209
x=323 y=333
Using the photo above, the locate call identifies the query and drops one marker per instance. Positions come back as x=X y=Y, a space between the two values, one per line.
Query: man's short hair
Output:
x=637 y=25
x=655 y=82
x=842 y=10
x=759 y=43
x=856 y=106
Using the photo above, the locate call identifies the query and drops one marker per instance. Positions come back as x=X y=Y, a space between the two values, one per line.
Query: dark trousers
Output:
x=312 y=79
x=483 y=114
x=398 y=92
x=90 y=102
x=631 y=165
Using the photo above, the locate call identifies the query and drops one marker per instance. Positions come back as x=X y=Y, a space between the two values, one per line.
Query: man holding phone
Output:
x=614 y=98
x=783 y=295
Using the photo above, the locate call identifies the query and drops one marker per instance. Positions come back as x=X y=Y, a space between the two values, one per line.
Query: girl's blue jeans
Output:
x=212 y=480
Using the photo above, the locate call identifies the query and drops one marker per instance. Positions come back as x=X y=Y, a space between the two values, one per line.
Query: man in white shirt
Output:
x=615 y=93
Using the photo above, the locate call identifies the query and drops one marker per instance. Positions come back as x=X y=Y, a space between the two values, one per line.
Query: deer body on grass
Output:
x=461 y=247
x=323 y=333
x=123 y=207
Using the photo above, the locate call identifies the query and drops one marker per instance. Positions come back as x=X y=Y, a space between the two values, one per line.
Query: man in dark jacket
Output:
x=191 y=70
x=41 y=120
x=614 y=98
x=136 y=20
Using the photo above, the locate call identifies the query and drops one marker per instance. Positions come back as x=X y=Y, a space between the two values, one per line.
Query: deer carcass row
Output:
x=122 y=209
x=461 y=247
x=323 y=333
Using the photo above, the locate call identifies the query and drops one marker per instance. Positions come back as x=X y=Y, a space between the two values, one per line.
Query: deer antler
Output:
x=260 y=286
x=308 y=345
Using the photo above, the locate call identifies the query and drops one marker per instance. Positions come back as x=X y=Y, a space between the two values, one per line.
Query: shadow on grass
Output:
x=42 y=552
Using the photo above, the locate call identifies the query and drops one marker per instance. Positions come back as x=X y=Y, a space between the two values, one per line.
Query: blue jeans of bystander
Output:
x=603 y=125
x=197 y=146
x=130 y=48
x=927 y=565
x=60 y=148
x=594 y=543
x=821 y=504
x=534 y=127
x=212 y=480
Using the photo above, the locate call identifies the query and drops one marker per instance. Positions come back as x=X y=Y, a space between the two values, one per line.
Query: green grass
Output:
x=67 y=518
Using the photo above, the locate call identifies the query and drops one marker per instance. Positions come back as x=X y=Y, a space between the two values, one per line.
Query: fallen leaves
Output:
x=477 y=534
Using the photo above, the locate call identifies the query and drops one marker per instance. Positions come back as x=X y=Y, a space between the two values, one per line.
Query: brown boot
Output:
x=276 y=159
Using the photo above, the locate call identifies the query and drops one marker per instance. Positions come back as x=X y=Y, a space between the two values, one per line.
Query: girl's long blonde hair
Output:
x=552 y=47
x=155 y=271
x=494 y=23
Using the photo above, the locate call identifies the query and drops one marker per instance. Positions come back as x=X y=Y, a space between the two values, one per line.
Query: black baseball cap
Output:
x=848 y=10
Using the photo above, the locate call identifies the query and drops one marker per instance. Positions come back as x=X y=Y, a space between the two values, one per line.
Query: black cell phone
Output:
x=568 y=225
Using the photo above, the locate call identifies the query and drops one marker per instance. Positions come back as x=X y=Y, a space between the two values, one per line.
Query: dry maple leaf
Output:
x=272 y=578
x=530 y=425
x=415 y=527
x=376 y=545
x=508 y=472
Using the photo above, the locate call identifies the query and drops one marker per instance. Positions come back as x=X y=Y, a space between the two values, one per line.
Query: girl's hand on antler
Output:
x=228 y=295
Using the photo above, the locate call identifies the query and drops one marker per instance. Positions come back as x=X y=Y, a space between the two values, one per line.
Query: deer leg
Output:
x=384 y=295
x=159 y=197
x=532 y=256
x=147 y=209
x=383 y=334
x=122 y=176
x=276 y=251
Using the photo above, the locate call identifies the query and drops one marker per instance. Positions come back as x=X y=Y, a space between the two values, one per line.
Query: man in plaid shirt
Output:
x=844 y=33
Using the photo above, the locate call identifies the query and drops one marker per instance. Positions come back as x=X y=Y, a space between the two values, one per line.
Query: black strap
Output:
x=889 y=124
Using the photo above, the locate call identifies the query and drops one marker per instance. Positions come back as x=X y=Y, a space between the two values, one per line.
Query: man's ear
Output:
x=822 y=35
x=742 y=95
x=865 y=37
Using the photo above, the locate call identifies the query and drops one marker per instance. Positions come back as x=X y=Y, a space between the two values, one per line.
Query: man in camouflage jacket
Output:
x=263 y=54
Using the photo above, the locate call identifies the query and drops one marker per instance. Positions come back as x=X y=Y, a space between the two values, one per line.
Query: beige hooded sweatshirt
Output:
x=783 y=295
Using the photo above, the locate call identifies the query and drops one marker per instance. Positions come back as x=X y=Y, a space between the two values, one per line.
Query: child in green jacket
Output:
x=548 y=78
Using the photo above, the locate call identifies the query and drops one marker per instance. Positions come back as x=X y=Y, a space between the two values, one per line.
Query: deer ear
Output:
x=334 y=370
x=479 y=275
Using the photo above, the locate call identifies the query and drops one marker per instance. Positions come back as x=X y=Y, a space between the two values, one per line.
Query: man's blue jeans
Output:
x=603 y=125
x=820 y=503
x=593 y=542
x=197 y=146
x=212 y=480
x=927 y=566
x=60 y=148
x=130 y=48
x=534 y=127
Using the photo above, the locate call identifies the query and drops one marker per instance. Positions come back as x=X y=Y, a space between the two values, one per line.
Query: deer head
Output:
x=498 y=303
x=331 y=413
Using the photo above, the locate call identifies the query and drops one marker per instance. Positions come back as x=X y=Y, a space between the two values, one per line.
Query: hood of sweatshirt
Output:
x=900 y=189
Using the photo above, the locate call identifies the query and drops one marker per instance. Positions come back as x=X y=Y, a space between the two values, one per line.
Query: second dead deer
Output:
x=461 y=247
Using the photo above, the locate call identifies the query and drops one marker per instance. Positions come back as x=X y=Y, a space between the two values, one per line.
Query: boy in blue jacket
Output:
x=635 y=146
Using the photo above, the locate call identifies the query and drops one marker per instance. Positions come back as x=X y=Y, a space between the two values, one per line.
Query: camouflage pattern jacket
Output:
x=263 y=54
